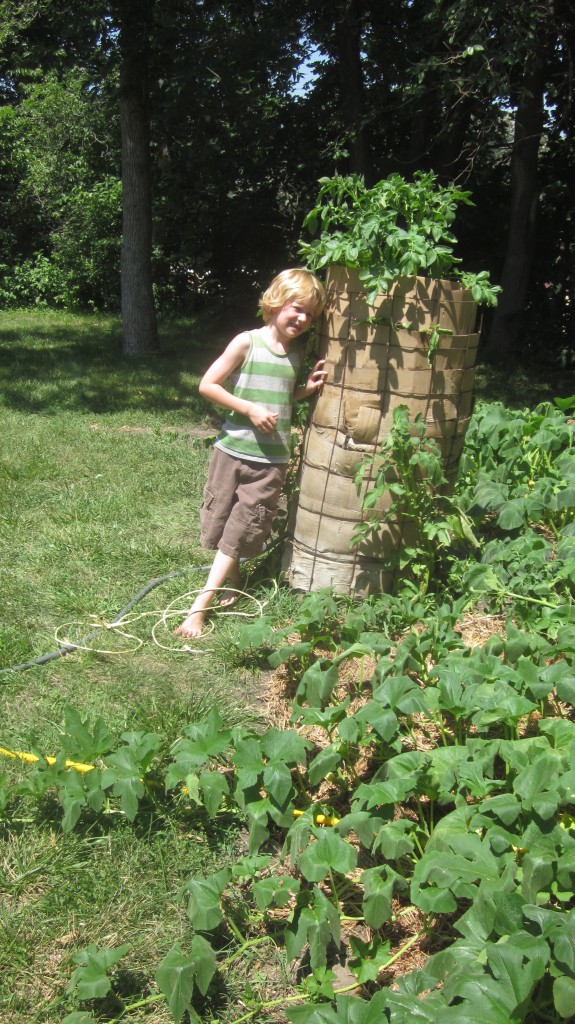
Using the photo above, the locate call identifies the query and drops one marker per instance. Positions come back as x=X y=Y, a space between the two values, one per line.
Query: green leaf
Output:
x=193 y=789
x=327 y=718
x=142 y=747
x=566 y=689
x=276 y=890
x=452 y=866
x=249 y=867
x=516 y=966
x=298 y=836
x=351 y=1010
x=202 y=741
x=317 y=684
x=536 y=685
x=83 y=743
x=214 y=786
x=316 y=921
x=72 y=796
x=489 y=496
x=492 y=912
x=319 y=985
x=564 y=499
x=380 y=884
x=328 y=759
x=247 y=756
x=90 y=980
x=204 y=908
x=383 y=721
x=365 y=825
x=394 y=839
x=324 y=929
x=400 y=693
x=369 y=957
x=296 y=931
x=410 y=1009
x=289 y=651
x=278 y=783
x=130 y=789
x=175 y=978
x=538 y=873
x=565 y=404
x=564 y=997
x=258 y=814
x=285 y=745
x=320 y=1014
x=205 y=962
x=512 y=515
x=126 y=767
x=504 y=807
x=564 y=948
x=537 y=784
x=328 y=852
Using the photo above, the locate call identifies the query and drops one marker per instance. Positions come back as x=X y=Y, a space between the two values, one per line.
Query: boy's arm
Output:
x=314 y=382
x=213 y=381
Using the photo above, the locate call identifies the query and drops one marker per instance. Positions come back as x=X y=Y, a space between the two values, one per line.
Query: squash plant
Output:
x=394 y=229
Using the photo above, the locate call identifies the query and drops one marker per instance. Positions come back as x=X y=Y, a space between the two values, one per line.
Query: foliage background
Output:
x=249 y=104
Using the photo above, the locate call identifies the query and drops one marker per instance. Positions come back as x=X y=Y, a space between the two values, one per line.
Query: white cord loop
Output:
x=118 y=627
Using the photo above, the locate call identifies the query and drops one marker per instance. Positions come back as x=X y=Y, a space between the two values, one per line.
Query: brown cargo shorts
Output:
x=240 y=499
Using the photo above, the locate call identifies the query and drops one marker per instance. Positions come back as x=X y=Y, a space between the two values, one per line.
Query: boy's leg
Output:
x=243 y=525
x=230 y=595
x=224 y=567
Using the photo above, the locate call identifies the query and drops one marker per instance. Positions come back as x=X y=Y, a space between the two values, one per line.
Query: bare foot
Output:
x=193 y=624
x=230 y=596
x=194 y=621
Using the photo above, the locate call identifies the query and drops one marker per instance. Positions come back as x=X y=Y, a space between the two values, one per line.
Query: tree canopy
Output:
x=237 y=109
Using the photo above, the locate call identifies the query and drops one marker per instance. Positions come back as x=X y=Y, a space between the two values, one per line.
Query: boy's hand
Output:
x=317 y=377
x=314 y=383
x=262 y=418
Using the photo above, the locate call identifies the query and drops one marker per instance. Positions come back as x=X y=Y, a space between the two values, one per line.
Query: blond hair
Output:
x=298 y=284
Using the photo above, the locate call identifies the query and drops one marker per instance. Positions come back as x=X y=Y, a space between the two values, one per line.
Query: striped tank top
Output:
x=269 y=379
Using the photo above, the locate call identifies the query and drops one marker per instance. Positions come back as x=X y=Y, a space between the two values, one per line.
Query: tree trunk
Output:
x=139 y=326
x=520 y=250
x=347 y=40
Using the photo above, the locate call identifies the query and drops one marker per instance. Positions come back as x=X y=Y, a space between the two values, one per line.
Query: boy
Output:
x=252 y=452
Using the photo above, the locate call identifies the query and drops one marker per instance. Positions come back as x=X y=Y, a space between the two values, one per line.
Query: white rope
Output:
x=162 y=616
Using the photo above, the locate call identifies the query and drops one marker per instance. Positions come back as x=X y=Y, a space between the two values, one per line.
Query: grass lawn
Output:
x=102 y=469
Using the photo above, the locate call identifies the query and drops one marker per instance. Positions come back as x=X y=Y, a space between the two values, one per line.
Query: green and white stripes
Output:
x=268 y=378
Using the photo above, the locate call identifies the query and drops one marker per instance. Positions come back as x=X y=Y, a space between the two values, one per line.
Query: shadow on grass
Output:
x=52 y=364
